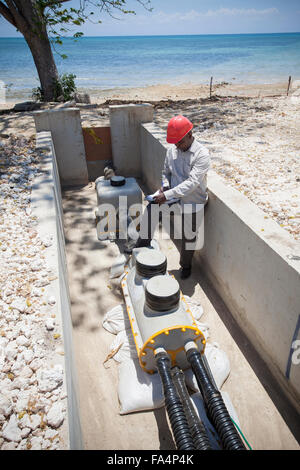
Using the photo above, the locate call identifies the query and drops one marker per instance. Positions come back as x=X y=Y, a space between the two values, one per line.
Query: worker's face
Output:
x=185 y=143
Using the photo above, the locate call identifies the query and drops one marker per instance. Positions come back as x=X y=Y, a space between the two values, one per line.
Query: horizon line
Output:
x=159 y=35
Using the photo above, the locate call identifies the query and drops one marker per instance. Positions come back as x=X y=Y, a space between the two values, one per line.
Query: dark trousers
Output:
x=148 y=226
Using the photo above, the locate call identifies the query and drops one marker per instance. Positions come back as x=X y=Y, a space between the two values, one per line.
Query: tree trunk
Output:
x=41 y=51
x=26 y=16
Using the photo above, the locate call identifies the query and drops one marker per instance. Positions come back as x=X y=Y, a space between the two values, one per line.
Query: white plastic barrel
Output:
x=118 y=199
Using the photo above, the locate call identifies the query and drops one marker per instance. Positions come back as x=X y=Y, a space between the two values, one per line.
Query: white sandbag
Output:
x=116 y=319
x=194 y=306
x=218 y=362
x=137 y=390
x=200 y=408
x=219 y=365
x=204 y=328
x=124 y=345
x=117 y=268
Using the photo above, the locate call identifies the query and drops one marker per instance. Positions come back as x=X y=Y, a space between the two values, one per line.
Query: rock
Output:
x=50 y=433
x=25 y=432
x=5 y=405
x=35 y=364
x=42 y=283
x=3 y=364
x=52 y=300
x=35 y=421
x=46 y=444
x=37 y=265
x=16 y=367
x=55 y=416
x=24 y=421
x=26 y=330
x=27 y=355
x=50 y=324
x=43 y=404
x=35 y=292
x=49 y=379
x=30 y=421
x=19 y=304
x=47 y=241
x=26 y=372
x=26 y=106
x=21 y=383
x=21 y=404
x=23 y=445
x=36 y=443
x=22 y=341
x=11 y=351
x=83 y=98
x=8 y=446
x=12 y=432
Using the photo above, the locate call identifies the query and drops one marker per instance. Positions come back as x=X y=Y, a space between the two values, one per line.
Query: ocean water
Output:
x=117 y=62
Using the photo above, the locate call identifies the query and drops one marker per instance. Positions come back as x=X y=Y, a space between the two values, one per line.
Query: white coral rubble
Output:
x=31 y=374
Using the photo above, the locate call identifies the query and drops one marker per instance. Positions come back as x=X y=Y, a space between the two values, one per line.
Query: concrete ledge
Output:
x=125 y=123
x=65 y=127
x=46 y=205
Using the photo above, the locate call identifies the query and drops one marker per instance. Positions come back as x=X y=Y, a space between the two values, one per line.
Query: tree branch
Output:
x=4 y=11
x=20 y=21
x=51 y=3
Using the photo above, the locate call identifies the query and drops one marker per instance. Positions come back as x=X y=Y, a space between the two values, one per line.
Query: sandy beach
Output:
x=252 y=132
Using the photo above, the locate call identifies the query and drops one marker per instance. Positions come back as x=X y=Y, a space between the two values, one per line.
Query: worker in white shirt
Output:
x=183 y=180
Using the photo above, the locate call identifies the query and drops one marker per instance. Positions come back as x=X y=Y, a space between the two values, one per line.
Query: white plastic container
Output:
x=118 y=199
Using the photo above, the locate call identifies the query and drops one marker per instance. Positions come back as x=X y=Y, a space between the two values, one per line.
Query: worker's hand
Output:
x=160 y=198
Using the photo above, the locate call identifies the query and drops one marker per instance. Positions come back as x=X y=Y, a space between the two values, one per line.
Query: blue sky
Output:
x=194 y=17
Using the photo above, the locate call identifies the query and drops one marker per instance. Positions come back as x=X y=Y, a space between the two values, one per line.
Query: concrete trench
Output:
x=247 y=254
x=267 y=420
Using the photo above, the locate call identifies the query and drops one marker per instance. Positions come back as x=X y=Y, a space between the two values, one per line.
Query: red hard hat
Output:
x=178 y=127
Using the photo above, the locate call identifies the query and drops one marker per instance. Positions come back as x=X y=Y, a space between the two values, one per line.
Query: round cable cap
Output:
x=162 y=293
x=117 y=180
x=150 y=262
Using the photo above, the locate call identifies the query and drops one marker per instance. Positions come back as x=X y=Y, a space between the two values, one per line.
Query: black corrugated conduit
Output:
x=197 y=429
x=213 y=400
x=174 y=407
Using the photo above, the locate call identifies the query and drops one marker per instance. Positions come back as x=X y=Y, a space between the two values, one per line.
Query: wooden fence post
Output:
x=210 y=87
x=289 y=83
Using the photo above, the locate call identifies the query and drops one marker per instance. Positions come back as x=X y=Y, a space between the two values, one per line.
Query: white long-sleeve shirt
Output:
x=185 y=173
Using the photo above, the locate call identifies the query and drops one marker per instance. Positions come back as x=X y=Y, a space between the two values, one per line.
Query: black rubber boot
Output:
x=185 y=272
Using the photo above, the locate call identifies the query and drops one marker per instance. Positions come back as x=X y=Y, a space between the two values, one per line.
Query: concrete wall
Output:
x=246 y=258
x=65 y=126
x=153 y=150
x=125 y=123
x=46 y=205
